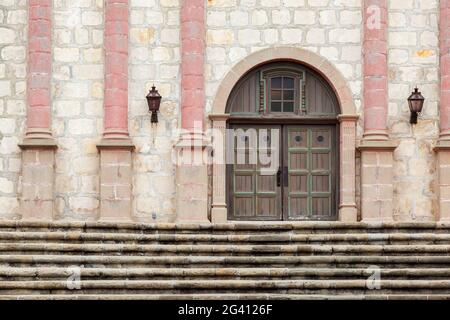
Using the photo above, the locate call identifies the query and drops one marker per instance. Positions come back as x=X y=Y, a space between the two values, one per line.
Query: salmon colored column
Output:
x=116 y=69
x=375 y=70
x=116 y=146
x=443 y=146
x=444 y=32
x=39 y=69
x=192 y=64
x=191 y=170
x=377 y=162
x=38 y=146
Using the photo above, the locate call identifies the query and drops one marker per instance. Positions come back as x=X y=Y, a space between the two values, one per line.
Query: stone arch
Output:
x=347 y=118
x=308 y=58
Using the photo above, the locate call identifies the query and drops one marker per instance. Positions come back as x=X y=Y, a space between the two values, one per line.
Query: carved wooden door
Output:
x=282 y=172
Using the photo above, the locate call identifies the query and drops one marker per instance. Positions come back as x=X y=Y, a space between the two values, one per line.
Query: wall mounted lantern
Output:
x=415 y=102
x=153 y=101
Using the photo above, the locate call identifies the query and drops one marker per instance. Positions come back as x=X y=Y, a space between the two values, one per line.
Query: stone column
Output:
x=376 y=148
x=115 y=147
x=219 y=203
x=38 y=146
x=191 y=176
x=443 y=145
x=347 y=208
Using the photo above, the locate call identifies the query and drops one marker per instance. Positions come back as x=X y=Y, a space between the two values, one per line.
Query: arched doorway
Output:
x=283 y=155
x=338 y=114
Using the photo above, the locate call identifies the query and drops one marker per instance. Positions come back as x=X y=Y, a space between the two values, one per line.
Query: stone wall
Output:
x=235 y=28
x=414 y=59
x=13 y=40
x=78 y=105
x=154 y=59
x=77 y=89
x=329 y=28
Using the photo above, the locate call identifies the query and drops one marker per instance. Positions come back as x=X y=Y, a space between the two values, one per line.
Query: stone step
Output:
x=127 y=238
x=20 y=248
x=41 y=273
x=258 y=260
x=226 y=297
x=229 y=228
x=225 y=261
x=227 y=286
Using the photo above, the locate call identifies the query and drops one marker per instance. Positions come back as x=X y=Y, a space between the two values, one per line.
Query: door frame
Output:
x=284 y=124
x=348 y=119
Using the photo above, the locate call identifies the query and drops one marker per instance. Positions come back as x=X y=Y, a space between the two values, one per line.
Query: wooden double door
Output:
x=282 y=172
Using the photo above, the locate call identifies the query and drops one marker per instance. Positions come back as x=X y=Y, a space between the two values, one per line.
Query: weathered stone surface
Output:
x=233 y=30
x=314 y=259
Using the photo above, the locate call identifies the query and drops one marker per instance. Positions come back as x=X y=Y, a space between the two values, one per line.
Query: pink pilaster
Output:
x=191 y=174
x=377 y=164
x=116 y=146
x=375 y=70
x=192 y=63
x=116 y=69
x=445 y=67
x=443 y=146
x=39 y=68
x=38 y=146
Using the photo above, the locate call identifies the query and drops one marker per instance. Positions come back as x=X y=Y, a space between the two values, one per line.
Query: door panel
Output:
x=254 y=192
x=309 y=160
x=304 y=187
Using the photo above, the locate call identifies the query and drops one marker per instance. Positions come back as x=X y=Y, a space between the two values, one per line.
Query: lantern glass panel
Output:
x=415 y=105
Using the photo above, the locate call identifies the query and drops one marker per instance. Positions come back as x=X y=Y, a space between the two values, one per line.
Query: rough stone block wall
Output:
x=77 y=96
x=154 y=59
x=414 y=59
x=331 y=28
x=13 y=41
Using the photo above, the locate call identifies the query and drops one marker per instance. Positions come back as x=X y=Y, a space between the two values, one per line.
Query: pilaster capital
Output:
x=348 y=117
x=192 y=140
x=219 y=117
x=442 y=145
x=41 y=143
x=115 y=144
x=379 y=145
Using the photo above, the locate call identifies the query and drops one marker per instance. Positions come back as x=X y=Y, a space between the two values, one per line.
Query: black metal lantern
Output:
x=154 y=101
x=415 y=101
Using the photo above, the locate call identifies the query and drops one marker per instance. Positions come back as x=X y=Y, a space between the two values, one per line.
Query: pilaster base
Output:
x=219 y=214
x=38 y=170
x=192 y=180
x=348 y=213
x=115 y=180
x=443 y=172
x=377 y=172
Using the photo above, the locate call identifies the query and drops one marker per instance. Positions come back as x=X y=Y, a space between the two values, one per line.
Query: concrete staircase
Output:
x=230 y=261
